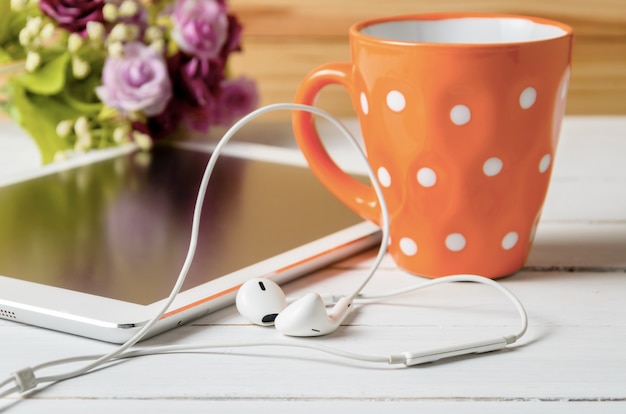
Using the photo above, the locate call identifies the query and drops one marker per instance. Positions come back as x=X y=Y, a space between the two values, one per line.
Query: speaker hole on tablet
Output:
x=7 y=314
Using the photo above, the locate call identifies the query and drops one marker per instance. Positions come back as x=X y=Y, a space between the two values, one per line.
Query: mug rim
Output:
x=356 y=28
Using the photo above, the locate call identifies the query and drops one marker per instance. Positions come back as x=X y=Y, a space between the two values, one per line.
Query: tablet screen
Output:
x=120 y=228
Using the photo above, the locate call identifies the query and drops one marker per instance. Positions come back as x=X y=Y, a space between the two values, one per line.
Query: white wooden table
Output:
x=572 y=360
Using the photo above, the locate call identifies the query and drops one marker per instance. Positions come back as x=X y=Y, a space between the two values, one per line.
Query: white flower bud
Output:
x=29 y=37
x=109 y=11
x=81 y=126
x=153 y=33
x=18 y=5
x=25 y=37
x=83 y=143
x=158 y=45
x=142 y=140
x=118 y=33
x=74 y=42
x=61 y=156
x=80 y=68
x=95 y=31
x=33 y=60
x=116 y=49
x=128 y=8
x=64 y=128
x=34 y=24
x=47 y=31
x=120 y=134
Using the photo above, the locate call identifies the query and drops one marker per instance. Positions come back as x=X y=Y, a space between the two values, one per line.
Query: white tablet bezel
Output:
x=116 y=321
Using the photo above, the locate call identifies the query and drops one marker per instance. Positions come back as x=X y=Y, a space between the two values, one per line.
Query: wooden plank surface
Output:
x=571 y=361
x=285 y=39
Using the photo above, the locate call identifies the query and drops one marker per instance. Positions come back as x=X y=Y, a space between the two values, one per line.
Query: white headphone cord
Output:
x=22 y=378
x=26 y=379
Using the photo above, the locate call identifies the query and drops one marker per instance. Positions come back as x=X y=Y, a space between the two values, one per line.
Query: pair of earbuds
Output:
x=263 y=302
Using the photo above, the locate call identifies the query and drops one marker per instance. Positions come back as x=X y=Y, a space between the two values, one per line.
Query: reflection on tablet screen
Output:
x=120 y=228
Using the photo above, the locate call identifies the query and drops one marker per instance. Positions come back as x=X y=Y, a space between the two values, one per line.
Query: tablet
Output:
x=93 y=246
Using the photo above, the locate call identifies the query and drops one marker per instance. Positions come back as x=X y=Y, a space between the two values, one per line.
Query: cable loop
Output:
x=26 y=379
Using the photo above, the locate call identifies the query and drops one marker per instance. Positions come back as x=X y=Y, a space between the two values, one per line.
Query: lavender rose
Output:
x=73 y=15
x=200 y=27
x=136 y=81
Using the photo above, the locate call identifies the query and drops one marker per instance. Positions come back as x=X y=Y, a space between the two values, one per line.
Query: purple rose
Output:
x=234 y=37
x=200 y=27
x=136 y=81
x=237 y=98
x=198 y=80
x=164 y=124
x=73 y=15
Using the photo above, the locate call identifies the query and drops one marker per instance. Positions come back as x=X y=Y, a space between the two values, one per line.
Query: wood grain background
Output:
x=285 y=39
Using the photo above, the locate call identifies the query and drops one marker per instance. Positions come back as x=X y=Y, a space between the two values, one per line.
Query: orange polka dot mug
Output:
x=460 y=116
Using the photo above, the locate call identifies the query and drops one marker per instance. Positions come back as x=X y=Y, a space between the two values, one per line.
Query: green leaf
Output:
x=49 y=79
x=5 y=17
x=5 y=57
x=39 y=116
x=81 y=94
x=10 y=25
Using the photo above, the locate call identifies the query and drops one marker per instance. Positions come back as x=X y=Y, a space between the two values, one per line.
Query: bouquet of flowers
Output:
x=99 y=73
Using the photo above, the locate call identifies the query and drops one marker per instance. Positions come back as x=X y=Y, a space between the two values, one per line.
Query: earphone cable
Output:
x=459 y=278
x=8 y=391
x=26 y=379
x=30 y=372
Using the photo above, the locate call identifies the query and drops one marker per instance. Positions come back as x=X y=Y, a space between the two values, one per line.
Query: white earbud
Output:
x=308 y=316
x=262 y=302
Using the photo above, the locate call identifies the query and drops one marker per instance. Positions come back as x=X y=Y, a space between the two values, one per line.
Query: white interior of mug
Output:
x=464 y=30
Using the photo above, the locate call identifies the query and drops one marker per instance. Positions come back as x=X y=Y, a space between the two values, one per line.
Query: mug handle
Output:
x=358 y=196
